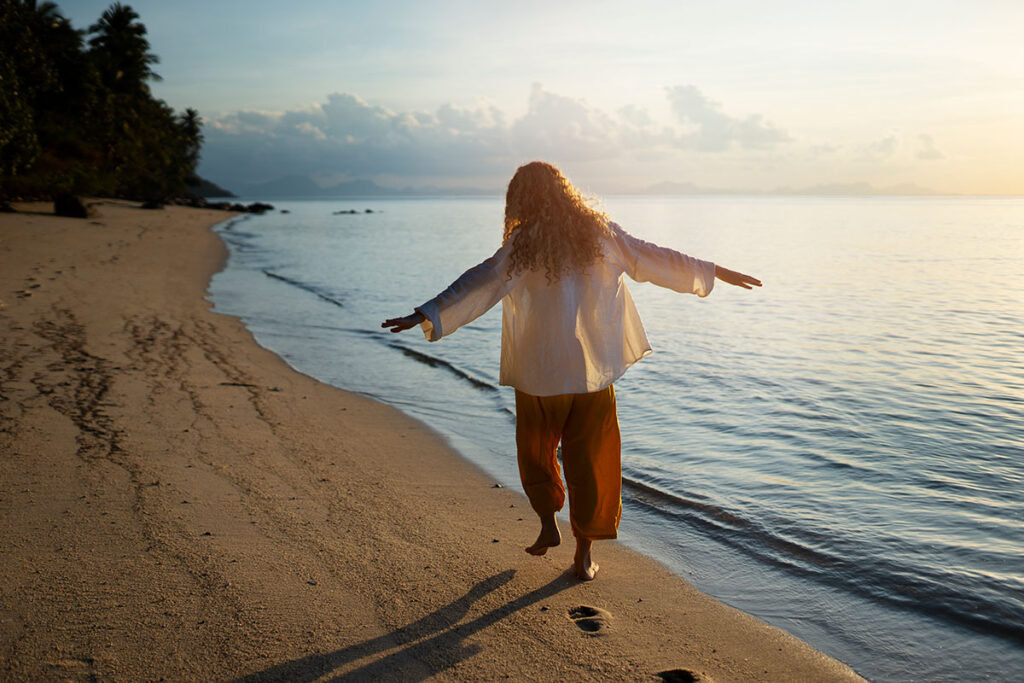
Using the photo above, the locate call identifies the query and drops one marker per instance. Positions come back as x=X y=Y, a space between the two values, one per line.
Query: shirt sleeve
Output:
x=647 y=262
x=469 y=297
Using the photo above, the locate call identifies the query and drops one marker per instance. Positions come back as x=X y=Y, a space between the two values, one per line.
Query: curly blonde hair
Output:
x=552 y=226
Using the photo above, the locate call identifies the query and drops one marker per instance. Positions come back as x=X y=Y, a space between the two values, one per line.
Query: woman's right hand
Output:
x=405 y=322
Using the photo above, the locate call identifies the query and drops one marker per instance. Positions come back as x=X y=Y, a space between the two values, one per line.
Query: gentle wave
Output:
x=302 y=285
x=435 y=362
x=932 y=591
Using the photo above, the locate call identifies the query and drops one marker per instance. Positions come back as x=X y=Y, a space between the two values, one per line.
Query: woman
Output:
x=569 y=330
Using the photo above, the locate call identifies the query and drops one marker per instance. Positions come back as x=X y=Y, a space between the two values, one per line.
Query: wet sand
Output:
x=177 y=503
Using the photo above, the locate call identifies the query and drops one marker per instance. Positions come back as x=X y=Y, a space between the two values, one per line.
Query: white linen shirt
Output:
x=573 y=336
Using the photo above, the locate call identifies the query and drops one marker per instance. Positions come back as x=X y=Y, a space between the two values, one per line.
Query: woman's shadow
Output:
x=420 y=655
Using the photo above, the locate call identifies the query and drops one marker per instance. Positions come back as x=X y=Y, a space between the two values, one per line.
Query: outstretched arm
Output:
x=733 y=278
x=404 y=323
x=465 y=300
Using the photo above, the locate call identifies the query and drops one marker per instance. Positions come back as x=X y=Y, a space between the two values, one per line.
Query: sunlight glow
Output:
x=912 y=96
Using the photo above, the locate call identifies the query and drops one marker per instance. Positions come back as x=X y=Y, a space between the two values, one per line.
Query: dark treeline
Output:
x=76 y=113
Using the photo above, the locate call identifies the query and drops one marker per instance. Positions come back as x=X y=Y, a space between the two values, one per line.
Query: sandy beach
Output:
x=176 y=503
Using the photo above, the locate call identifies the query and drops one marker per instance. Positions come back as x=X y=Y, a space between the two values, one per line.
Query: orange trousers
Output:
x=588 y=428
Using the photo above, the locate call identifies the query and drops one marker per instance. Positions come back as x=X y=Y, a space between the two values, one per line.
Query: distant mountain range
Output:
x=303 y=186
x=299 y=186
x=206 y=188
x=902 y=189
x=834 y=189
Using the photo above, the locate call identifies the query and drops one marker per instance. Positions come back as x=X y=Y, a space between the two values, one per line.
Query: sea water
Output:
x=840 y=453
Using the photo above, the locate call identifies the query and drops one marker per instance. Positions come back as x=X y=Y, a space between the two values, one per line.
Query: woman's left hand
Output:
x=733 y=278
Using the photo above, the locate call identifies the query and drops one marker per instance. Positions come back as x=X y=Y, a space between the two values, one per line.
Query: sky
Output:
x=735 y=94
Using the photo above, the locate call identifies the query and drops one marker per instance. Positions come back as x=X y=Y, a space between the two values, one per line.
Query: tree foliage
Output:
x=121 y=51
x=76 y=111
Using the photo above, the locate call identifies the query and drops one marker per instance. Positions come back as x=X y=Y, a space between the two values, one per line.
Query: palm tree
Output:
x=24 y=27
x=122 y=51
x=45 y=13
x=191 y=127
x=38 y=44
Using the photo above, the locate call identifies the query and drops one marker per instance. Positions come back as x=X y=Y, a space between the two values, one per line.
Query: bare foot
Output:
x=586 y=568
x=548 y=537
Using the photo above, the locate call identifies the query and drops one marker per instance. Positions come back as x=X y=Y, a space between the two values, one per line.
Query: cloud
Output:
x=245 y=122
x=711 y=130
x=825 y=149
x=897 y=147
x=635 y=116
x=346 y=136
x=928 y=151
x=564 y=128
x=879 y=150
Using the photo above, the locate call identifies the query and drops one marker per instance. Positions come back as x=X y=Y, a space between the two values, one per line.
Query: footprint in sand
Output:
x=591 y=620
x=683 y=676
